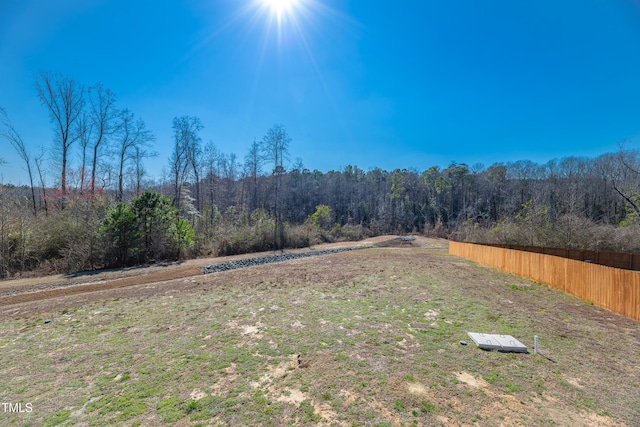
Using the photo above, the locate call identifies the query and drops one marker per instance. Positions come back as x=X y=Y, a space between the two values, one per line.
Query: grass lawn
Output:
x=364 y=338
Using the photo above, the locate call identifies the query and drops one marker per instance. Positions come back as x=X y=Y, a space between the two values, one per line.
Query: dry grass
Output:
x=359 y=338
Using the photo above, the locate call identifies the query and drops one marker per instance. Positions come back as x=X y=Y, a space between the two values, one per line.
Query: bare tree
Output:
x=38 y=161
x=253 y=168
x=230 y=175
x=275 y=150
x=8 y=132
x=626 y=178
x=131 y=139
x=102 y=116
x=64 y=99
x=138 y=171
x=186 y=150
x=194 y=157
x=84 y=129
x=210 y=158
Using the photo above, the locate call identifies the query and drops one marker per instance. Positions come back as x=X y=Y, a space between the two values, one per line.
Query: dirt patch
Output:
x=292 y=396
x=197 y=394
x=470 y=380
x=274 y=373
x=431 y=314
x=220 y=387
x=250 y=330
x=417 y=389
x=271 y=382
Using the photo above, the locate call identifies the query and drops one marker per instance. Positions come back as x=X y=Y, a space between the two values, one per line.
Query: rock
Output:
x=250 y=262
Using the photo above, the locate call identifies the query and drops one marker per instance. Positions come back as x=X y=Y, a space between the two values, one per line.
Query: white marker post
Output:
x=535 y=344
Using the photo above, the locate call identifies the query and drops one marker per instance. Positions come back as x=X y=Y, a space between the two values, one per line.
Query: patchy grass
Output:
x=359 y=338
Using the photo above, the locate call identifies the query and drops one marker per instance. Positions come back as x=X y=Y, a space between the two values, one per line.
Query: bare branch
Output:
x=8 y=132
x=130 y=138
x=186 y=154
x=629 y=200
x=64 y=99
x=102 y=117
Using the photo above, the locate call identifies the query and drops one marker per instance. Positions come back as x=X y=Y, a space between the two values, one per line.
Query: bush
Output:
x=122 y=232
x=257 y=236
x=148 y=229
x=440 y=230
x=354 y=232
x=296 y=236
x=70 y=240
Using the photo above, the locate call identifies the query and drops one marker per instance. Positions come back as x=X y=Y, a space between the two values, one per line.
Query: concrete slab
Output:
x=498 y=342
x=485 y=341
x=509 y=343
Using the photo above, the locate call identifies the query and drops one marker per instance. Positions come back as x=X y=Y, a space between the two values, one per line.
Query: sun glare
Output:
x=284 y=29
x=281 y=8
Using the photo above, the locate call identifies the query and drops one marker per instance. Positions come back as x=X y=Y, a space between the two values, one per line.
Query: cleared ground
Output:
x=368 y=337
x=43 y=288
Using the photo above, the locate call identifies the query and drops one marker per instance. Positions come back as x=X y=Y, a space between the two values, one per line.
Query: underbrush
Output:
x=250 y=239
x=568 y=231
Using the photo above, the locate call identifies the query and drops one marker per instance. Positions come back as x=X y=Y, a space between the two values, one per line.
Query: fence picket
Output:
x=612 y=288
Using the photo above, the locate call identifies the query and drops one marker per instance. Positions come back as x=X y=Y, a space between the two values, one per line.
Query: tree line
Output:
x=209 y=202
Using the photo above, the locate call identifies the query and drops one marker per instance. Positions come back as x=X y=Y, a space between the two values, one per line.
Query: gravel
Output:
x=250 y=262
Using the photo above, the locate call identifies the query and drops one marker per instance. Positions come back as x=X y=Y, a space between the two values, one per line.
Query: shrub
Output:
x=296 y=236
x=148 y=229
x=70 y=240
x=354 y=232
x=122 y=231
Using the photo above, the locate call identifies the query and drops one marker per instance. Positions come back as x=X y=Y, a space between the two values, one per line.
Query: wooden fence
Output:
x=625 y=260
x=607 y=287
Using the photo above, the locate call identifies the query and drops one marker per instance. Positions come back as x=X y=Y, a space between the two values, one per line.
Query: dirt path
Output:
x=43 y=288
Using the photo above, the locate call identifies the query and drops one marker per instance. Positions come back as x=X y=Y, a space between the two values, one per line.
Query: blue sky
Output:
x=407 y=84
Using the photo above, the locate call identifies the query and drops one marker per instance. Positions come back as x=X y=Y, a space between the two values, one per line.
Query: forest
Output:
x=90 y=202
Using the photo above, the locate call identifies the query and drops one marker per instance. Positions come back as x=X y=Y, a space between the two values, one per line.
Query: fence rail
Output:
x=615 y=289
x=625 y=260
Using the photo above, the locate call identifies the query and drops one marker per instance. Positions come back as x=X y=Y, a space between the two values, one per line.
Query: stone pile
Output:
x=250 y=262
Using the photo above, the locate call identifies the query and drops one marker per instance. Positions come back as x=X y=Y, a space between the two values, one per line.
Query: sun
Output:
x=281 y=8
